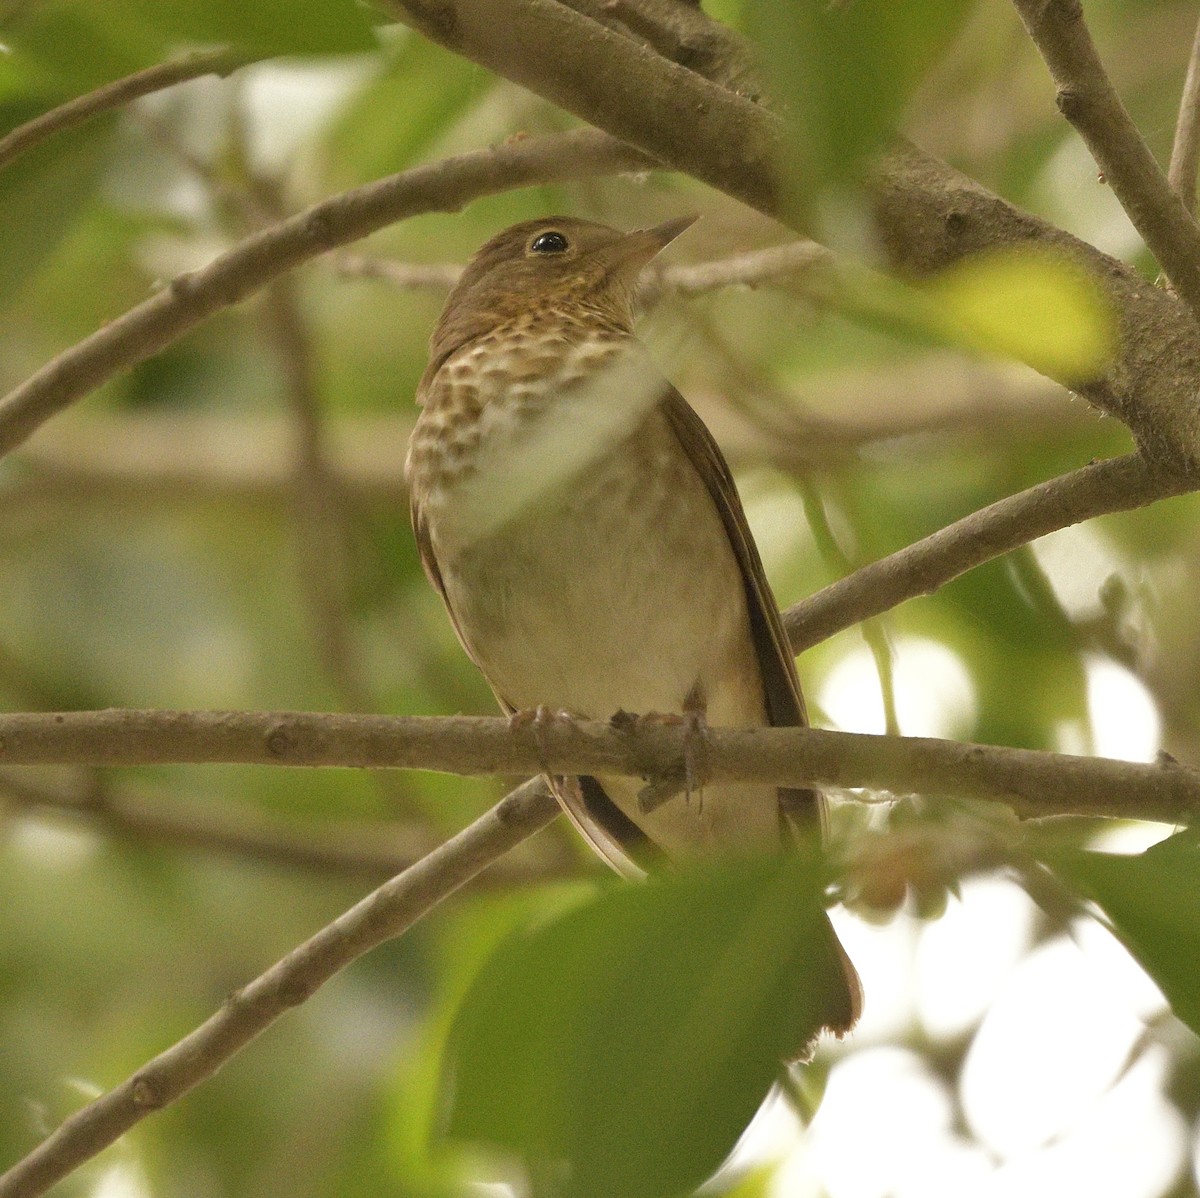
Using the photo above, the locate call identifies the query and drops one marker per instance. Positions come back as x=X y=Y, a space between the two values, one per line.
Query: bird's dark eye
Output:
x=549 y=243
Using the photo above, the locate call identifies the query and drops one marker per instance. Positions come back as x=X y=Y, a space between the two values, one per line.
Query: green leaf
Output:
x=625 y=1046
x=1153 y=902
x=399 y=113
x=1029 y=304
x=845 y=72
x=41 y=194
x=270 y=26
x=63 y=34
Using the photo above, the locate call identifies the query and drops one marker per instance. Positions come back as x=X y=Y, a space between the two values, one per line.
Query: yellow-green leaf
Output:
x=1029 y=304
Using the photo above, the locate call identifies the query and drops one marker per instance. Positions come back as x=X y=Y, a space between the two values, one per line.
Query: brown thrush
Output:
x=584 y=531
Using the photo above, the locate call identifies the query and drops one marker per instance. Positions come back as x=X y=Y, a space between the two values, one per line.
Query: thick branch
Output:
x=1116 y=485
x=1035 y=783
x=115 y=95
x=1089 y=101
x=928 y=216
x=385 y=913
x=440 y=187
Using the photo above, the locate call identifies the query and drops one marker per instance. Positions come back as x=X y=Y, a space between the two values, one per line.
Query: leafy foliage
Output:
x=157 y=551
x=629 y=1041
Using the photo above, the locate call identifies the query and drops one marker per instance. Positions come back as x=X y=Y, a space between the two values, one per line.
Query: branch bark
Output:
x=1089 y=101
x=444 y=186
x=383 y=914
x=1116 y=485
x=1035 y=783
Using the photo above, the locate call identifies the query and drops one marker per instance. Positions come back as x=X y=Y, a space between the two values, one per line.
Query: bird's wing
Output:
x=781 y=687
x=429 y=564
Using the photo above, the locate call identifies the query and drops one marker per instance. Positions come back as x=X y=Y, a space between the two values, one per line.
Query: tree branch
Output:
x=1116 y=485
x=188 y=299
x=383 y=914
x=1185 y=151
x=1034 y=783
x=928 y=215
x=776 y=264
x=1089 y=101
x=116 y=94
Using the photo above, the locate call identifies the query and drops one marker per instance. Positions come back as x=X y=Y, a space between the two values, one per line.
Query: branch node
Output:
x=318 y=228
x=1069 y=102
x=956 y=223
x=146 y=1094
x=280 y=742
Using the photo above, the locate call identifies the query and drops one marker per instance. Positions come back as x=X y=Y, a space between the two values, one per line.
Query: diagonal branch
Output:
x=383 y=914
x=1089 y=101
x=1116 y=485
x=444 y=186
x=1036 y=784
x=115 y=95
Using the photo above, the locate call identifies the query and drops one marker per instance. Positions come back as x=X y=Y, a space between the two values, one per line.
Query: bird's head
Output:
x=556 y=264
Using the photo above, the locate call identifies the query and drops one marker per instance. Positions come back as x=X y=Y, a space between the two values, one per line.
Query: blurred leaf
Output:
x=61 y=45
x=41 y=194
x=630 y=1042
x=1030 y=305
x=1153 y=901
x=400 y=112
x=87 y=42
x=846 y=71
x=272 y=26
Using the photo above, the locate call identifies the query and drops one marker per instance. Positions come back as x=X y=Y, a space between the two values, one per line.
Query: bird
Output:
x=584 y=532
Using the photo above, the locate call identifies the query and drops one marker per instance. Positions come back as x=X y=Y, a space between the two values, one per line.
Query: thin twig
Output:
x=1185 y=151
x=1087 y=98
x=383 y=914
x=115 y=95
x=755 y=268
x=1116 y=485
x=1036 y=784
x=188 y=299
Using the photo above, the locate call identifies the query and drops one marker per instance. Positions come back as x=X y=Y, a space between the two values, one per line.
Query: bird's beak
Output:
x=635 y=249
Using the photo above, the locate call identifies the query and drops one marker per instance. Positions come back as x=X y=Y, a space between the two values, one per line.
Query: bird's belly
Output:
x=621 y=592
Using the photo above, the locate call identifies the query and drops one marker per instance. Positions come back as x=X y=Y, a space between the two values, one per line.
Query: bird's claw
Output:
x=541 y=719
x=687 y=778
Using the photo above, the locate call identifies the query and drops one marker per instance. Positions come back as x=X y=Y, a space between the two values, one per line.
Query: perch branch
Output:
x=1036 y=784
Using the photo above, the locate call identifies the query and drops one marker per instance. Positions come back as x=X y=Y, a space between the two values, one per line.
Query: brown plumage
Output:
x=584 y=531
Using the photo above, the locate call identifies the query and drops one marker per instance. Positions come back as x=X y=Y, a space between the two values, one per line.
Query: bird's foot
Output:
x=541 y=719
x=686 y=777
